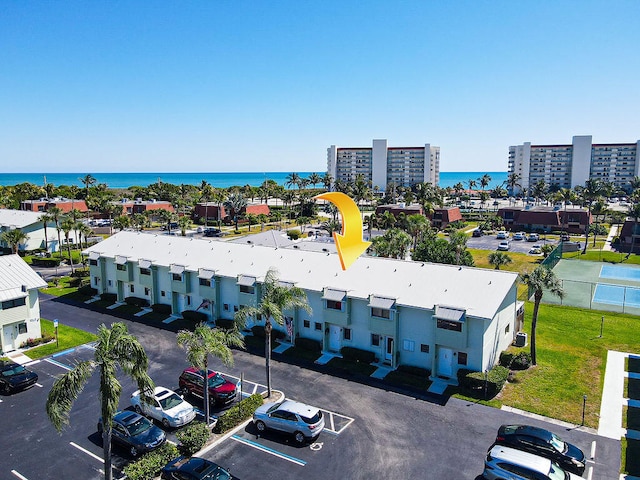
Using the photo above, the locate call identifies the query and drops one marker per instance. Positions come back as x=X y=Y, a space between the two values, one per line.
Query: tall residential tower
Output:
x=381 y=165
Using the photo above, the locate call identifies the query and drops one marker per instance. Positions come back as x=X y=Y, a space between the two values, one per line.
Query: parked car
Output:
x=544 y=443
x=565 y=237
x=221 y=390
x=15 y=377
x=535 y=250
x=506 y=462
x=477 y=233
x=212 y=232
x=302 y=421
x=167 y=407
x=533 y=237
x=519 y=236
x=503 y=246
x=502 y=235
x=134 y=432
x=194 y=468
x=172 y=225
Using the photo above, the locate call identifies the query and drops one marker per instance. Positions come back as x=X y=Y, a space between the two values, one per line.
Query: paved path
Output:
x=613 y=231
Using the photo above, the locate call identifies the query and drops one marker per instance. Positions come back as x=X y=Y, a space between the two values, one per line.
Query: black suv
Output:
x=14 y=377
x=543 y=443
x=134 y=432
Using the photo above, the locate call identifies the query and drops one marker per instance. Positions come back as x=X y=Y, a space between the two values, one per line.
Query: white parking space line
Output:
x=38 y=385
x=593 y=450
x=58 y=364
x=33 y=362
x=100 y=459
x=268 y=450
x=21 y=477
x=590 y=474
x=332 y=416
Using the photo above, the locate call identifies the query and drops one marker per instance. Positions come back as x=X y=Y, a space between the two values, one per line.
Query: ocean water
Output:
x=219 y=179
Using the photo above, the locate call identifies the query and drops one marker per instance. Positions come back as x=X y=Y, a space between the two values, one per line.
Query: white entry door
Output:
x=179 y=303
x=334 y=338
x=7 y=338
x=445 y=362
x=388 y=350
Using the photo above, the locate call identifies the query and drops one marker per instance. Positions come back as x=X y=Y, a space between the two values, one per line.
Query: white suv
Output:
x=304 y=422
x=505 y=462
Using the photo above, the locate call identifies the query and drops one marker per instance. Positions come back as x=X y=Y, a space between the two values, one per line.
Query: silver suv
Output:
x=506 y=462
x=303 y=421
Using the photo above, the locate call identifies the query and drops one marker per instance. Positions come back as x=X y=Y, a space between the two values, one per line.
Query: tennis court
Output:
x=598 y=286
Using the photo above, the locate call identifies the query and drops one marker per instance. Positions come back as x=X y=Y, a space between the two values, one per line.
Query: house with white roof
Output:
x=439 y=317
x=32 y=225
x=19 y=305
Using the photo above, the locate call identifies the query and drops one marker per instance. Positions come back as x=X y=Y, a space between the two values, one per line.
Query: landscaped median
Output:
x=68 y=337
x=197 y=438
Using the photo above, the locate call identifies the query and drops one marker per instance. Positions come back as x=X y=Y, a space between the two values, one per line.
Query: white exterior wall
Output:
x=418 y=326
x=317 y=305
x=495 y=338
x=581 y=162
x=636 y=170
x=10 y=319
x=379 y=164
x=332 y=162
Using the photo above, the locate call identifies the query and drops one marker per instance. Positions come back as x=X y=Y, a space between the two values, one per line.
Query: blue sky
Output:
x=232 y=85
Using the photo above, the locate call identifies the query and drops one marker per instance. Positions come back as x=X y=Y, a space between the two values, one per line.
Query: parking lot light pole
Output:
x=584 y=405
x=55 y=325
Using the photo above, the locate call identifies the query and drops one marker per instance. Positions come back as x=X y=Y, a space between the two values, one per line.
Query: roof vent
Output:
x=24 y=288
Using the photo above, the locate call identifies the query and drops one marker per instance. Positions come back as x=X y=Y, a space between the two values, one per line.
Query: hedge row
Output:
x=515 y=361
x=309 y=344
x=258 y=331
x=161 y=308
x=137 y=301
x=226 y=323
x=196 y=317
x=193 y=437
x=357 y=355
x=109 y=297
x=475 y=381
x=88 y=290
x=416 y=371
x=148 y=466
x=238 y=413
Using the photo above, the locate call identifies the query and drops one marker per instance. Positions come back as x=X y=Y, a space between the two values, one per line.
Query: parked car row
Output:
x=526 y=452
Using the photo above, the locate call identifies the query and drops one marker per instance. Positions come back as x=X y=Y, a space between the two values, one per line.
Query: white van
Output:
x=506 y=462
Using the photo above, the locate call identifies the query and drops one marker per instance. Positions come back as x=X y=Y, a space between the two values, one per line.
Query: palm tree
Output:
x=206 y=192
x=565 y=195
x=327 y=180
x=13 y=238
x=205 y=341
x=541 y=279
x=417 y=225
x=55 y=214
x=314 y=179
x=276 y=298
x=45 y=218
x=513 y=181
x=598 y=210
x=184 y=222
x=591 y=191
x=498 y=259
x=293 y=179
x=67 y=225
x=219 y=196
x=484 y=181
x=87 y=181
x=235 y=203
x=116 y=349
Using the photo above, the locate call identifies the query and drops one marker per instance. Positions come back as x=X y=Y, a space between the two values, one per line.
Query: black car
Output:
x=212 y=232
x=543 y=443
x=477 y=232
x=134 y=432
x=14 y=377
x=194 y=468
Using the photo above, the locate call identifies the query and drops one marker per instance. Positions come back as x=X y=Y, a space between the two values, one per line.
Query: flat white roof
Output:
x=18 y=218
x=14 y=273
x=414 y=284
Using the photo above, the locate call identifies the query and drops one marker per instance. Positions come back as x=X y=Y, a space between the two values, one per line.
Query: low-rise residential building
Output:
x=131 y=207
x=214 y=211
x=439 y=317
x=32 y=225
x=19 y=305
x=545 y=219
x=629 y=237
x=44 y=204
x=440 y=218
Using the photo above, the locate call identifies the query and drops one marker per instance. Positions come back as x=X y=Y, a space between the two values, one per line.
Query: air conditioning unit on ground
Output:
x=521 y=339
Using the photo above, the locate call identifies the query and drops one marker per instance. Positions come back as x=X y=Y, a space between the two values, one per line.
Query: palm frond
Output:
x=64 y=392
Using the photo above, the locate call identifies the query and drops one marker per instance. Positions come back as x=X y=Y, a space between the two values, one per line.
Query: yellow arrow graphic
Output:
x=349 y=244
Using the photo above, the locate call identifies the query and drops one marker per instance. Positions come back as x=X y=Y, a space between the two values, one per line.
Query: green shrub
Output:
x=161 y=308
x=474 y=382
x=412 y=370
x=515 y=361
x=293 y=234
x=109 y=297
x=32 y=342
x=88 y=290
x=225 y=323
x=75 y=281
x=148 y=466
x=279 y=334
x=193 y=437
x=506 y=358
x=45 y=262
x=238 y=413
x=258 y=331
x=137 y=301
x=309 y=344
x=81 y=273
x=194 y=316
x=357 y=355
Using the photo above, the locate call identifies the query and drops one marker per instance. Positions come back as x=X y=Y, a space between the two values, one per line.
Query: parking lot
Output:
x=371 y=432
x=491 y=242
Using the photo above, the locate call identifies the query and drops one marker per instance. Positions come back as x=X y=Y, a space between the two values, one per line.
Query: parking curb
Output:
x=230 y=433
x=561 y=423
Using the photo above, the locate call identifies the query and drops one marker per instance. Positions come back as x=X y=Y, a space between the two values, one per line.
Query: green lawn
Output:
x=68 y=337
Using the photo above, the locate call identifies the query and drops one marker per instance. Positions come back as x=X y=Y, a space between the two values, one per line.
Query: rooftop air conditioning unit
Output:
x=521 y=339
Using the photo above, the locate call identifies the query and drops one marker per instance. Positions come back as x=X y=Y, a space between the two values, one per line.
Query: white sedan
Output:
x=166 y=406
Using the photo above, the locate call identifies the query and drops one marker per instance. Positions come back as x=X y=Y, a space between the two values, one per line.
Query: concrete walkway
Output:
x=613 y=231
x=610 y=424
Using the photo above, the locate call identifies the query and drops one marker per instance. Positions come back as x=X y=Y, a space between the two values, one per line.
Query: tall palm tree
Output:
x=293 y=179
x=327 y=180
x=484 y=181
x=13 y=238
x=219 y=196
x=205 y=341
x=67 y=225
x=184 y=223
x=87 y=181
x=565 y=195
x=541 y=279
x=206 y=192
x=235 y=203
x=275 y=299
x=45 y=218
x=56 y=215
x=513 y=181
x=591 y=191
x=499 y=259
x=314 y=179
x=116 y=349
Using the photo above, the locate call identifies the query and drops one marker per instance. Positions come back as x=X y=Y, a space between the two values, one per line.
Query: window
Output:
x=96 y=280
x=306 y=324
x=333 y=305
x=205 y=282
x=408 y=345
x=380 y=312
x=226 y=307
x=449 y=325
x=462 y=358
x=507 y=328
x=162 y=294
x=22 y=328
x=109 y=282
x=93 y=262
x=177 y=277
x=247 y=289
x=145 y=271
x=121 y=267
x=146 y=291
x=16 y=302
x=235 y=308
x=317 y=325
x=424 y=348
x=375 y=339
x=132 y=288
x=346 y=333
x=188 y=299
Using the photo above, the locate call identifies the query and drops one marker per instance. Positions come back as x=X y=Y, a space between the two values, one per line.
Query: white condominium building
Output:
x=573 y=164
x=381 y=165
